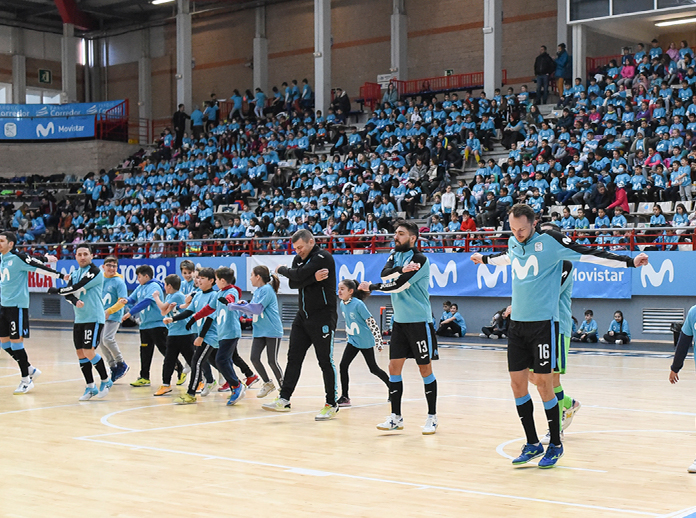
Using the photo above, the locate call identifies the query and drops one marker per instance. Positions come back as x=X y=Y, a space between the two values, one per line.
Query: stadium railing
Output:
x=593 y=64
x=478 y=241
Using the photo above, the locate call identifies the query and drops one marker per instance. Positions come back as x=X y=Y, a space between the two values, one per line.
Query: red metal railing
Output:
x=442 y=83
x=113 y=123
x=371 y=94
x=593 y=64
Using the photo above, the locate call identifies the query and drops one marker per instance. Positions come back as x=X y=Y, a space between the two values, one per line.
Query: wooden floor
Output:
x=134 y=455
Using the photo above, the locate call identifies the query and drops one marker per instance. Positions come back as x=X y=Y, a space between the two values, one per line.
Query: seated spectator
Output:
x=588 y=329
x=453 y=325
x=499 y=325
x=619 y=332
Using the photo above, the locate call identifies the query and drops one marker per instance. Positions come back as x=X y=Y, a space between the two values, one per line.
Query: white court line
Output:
x=47 y=382
x=83 y=403
x=320 y=473
x=684 y=513
x=500 y=450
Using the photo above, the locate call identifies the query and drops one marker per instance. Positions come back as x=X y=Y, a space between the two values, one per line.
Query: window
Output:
x=586 y=9
x=5 y=93
x=633 y=6
x=38 y=96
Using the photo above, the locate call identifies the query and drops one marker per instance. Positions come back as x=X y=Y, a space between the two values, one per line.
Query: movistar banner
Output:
x=18 y=111
x=48 y=128
x=669 y=273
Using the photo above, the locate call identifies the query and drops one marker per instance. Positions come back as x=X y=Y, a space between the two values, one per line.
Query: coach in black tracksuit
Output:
x=315 y=322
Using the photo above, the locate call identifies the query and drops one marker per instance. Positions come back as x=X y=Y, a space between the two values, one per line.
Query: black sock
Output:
x=20 y=355
x=525 y=409
x=431 y=393
x=98 y=363
x=86 y=368
x=554 y=419
x=396 y=390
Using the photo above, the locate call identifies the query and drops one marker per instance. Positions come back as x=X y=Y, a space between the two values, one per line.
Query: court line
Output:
x=684 y=513
x=321 y=473
x=500 y=450
x=47 y=382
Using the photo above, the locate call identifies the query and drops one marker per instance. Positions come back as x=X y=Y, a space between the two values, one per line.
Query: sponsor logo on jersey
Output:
x=521 y=271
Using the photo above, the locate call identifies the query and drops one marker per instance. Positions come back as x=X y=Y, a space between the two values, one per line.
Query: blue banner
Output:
x=18 y=111
x=126 y=267
x=43 y=128
x=237 y=264
x=668 y=273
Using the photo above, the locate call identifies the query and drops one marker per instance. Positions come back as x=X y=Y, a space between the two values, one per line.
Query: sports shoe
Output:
x=24 y=387
x=187 y=368
x=546 y=439
x=200 y=387
x=251 y=380
x=493 y=337
x=343 y=401
x=208 y=388
x=618 y=342
x=163 y=390
x=569 y=413
x=185 y=399
x=692 y=468
x=266 y=389
x=277 y=405
x=90 y=392
x=483 y=335
x=104 y=388
x=553 y=453
x=326 y=413
x=393 y=422
x=529 y=452
x=119 y=371
x=237 y=394
x=34 y=372
x=430 y=425
x=141 y=382
x=182 y=378
x=224 y=388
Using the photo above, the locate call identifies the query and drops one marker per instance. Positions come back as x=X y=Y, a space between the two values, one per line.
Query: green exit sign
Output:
x=45 y=76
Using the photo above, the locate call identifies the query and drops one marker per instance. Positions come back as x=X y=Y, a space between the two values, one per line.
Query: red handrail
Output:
x=593 y=64
x=371 y=94
x=455 y=82
x=113 y=123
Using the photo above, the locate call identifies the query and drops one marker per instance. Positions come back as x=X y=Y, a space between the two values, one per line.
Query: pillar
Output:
x=399 y=41
x=579 y=50
x=19 y=67
x=322 y=54
x=261 y=51
x=184 y=72
x=561 y=25
x=492 y=46
x=145 y=88
x=69 y=62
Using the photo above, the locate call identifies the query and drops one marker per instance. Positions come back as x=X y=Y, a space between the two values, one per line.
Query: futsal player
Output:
x=313 y=274
x=114 y=289
x=406 y=277
x=537 y=264
x=686 y=338
x=84 y=292
x=14 y=299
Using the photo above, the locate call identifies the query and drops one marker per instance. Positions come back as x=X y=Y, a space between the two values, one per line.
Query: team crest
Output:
x=538 y=247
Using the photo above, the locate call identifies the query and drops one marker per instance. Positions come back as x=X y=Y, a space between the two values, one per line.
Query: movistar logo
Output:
x=352 y=329
x=442 y=278
x=491 y=279
x=521 y=271
x=42 y=131
x=357 y=273
x=657 y=277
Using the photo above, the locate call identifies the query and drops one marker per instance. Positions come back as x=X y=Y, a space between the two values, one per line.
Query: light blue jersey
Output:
x=537 y=265
x=409 y=291
x=114 y=288
x=86 y=285
x=358 y=333
x=228 y=326
x=201 y=300
x=187 y=286
x=565 y=312
x=150 y=316
x=620 y=328
x=14 y=278
x=177 y=328
x=268 y=323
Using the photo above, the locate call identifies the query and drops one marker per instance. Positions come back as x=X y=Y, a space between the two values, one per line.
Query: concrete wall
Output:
x=48 y=158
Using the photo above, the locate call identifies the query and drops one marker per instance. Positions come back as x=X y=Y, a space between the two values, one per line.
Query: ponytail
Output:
x=266 y=277
x=353 y=285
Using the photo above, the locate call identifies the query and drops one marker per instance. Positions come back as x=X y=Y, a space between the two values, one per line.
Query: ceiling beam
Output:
x=71 y=13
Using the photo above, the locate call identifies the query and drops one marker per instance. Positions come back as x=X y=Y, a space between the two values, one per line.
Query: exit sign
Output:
x=45 y=76
x=449 y=72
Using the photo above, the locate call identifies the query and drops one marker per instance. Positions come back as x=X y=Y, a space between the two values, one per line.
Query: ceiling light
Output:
x=158 y=2
x=673 y=22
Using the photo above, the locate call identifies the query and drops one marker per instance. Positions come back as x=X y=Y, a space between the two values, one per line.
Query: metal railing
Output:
x=593 y=64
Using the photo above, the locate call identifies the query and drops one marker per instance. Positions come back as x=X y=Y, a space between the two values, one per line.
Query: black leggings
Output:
x=449 y=329
x=617 y=336
x=176 y=345
x=149 y=339
x=349 y=355
x=201 y=356
x=272 y=345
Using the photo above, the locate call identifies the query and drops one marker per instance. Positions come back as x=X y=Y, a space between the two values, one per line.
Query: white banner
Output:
x=272 y=261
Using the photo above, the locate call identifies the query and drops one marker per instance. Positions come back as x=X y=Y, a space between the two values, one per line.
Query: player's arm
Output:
x=683 y=345
x=499 y=259
x=390 y=271
x=573 y=252
x=301 y=276
x=206 y=327
x=88 y=280
x=402 y=282
x=31 y=264
x=251 y=308
x=374 y=329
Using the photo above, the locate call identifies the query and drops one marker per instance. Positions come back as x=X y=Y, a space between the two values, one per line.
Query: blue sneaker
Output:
x=104 y=388
x=553 y=453
x=120 y=371
x=90 y=392
x=237 y=394
x=529 y=452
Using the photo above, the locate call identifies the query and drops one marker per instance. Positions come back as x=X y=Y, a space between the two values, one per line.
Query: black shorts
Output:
x=154 y=336
x=413 y=340
x=14 y=322
x=532 y=345
x=87 y=336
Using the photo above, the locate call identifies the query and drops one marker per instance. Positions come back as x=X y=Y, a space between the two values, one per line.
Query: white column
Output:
x=145 y=87
x=69 y=62
x=19 y=67
x=492 y=45
x=399 y=41
x=579 y=50
x=261 y=51
x=184 y=73
x=562 y=23
x=322 y=54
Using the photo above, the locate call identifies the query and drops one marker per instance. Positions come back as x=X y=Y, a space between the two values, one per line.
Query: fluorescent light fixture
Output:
x=158 y=2
x=669 y=22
